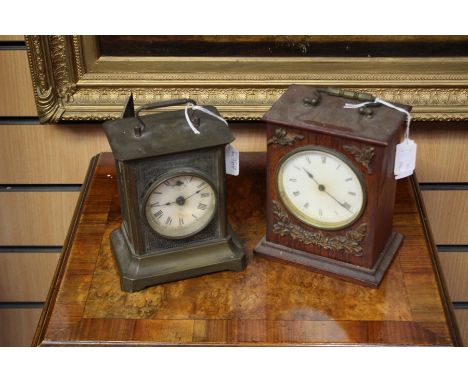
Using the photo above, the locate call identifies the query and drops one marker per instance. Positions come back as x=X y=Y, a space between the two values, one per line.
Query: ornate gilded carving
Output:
x=52 y=74
x=77 y=55
x=239 y=104
x=282 y=138
x=66 y=89
x=42 y=77
x=362 y=155
x=63 y=73
x=350 y=243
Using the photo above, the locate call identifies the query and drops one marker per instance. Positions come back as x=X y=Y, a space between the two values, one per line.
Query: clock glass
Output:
x=180 y=206
x=321 y=188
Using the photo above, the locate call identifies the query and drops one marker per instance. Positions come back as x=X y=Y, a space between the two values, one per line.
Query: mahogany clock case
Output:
x=292 y=125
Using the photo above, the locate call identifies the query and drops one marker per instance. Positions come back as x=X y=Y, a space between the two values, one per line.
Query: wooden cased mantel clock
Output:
x=330 y=183
x=172 y=191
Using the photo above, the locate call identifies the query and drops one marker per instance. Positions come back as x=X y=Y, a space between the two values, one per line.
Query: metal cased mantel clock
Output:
x=330 y=183
x=172 y=191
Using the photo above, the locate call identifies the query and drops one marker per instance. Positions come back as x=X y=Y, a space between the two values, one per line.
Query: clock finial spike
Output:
x=129 y=108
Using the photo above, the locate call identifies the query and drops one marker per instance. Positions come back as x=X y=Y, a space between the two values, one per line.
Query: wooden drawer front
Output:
x=455 y=269
x=441 y=152
x=18 y=326
x=50 y=154
x=16 y=92
x=462 y=320
x=26 y=276
x=448 y=215
x=35 y=218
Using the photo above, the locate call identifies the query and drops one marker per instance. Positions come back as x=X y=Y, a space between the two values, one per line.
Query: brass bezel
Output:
x=295 y=211
x=171 y=174
x=73 y=82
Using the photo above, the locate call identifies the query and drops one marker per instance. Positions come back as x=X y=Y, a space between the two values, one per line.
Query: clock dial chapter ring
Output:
x=180 y=204
x=321 y=187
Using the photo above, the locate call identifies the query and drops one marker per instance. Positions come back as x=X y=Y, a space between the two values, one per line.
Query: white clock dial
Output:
x=320 y=188
x=180 y=206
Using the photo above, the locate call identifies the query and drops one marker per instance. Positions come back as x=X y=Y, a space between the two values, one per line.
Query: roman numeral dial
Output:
x=321 y=188
x=180 y=206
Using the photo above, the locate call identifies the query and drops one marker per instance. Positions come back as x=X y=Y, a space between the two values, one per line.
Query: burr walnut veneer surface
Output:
x=270 y=303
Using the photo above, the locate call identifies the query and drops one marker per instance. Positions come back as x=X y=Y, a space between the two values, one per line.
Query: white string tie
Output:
x=391 y=105
x=203 y=110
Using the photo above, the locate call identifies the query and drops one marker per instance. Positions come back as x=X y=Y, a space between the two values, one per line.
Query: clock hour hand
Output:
x=311 y=176
x=157 y=204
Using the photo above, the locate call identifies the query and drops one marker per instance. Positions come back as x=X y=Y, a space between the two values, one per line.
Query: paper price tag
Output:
x=405 y=158
x=232 y=160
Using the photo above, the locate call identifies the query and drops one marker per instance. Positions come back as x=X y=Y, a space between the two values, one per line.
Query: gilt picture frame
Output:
x=73 y=81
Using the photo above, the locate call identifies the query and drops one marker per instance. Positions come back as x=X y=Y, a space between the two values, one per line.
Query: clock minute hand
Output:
x=196 y=192
x=336 y=200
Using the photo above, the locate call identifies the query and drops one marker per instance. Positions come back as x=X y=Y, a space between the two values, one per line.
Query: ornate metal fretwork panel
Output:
x=147 y=171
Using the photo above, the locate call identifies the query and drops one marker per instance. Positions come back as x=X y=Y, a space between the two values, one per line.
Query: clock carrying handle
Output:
x=138 y=129
x=315 y=99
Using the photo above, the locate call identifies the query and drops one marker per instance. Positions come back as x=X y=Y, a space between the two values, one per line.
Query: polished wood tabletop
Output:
x=270 y=303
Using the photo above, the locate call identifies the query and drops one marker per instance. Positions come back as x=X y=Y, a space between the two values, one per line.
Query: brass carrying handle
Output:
x=173 y=102
x=314 y=100
x=365 y=97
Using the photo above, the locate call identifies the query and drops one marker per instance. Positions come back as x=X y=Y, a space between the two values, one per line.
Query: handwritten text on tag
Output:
x=232 y=160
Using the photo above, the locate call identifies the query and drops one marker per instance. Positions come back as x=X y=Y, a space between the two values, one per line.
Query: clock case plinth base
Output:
x=370 y=277
x=139 y=272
